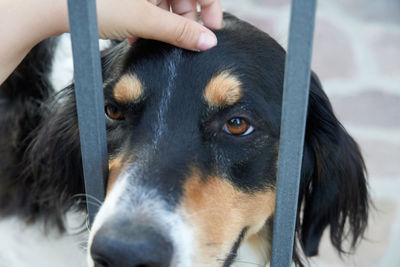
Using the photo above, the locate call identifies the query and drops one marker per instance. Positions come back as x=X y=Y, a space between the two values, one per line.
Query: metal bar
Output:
x=89 y=99
x=294 y=115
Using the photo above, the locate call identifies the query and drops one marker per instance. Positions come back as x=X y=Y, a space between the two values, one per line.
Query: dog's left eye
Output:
x=113 y=112
x=238 y=127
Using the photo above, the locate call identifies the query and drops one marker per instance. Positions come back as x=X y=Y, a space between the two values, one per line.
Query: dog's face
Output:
x=193 y=139
x=193 y=142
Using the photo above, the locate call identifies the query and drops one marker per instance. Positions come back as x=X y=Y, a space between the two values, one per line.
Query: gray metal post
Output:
x=89 y=98
x=294 y=114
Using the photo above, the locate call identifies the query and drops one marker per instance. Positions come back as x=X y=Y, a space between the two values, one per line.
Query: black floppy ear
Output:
x=53 y=160
x=333 y=189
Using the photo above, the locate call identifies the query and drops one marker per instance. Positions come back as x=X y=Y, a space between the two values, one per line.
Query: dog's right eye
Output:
x=113 y=112
x=238 y=127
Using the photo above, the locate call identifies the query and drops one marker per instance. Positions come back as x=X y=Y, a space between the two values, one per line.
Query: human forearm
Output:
x=24 y=24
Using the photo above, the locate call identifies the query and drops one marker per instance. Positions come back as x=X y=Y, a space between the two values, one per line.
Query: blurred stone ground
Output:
x=357 y=57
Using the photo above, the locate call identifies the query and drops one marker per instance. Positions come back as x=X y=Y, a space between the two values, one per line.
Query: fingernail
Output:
x=132 y=40
x=206 y=41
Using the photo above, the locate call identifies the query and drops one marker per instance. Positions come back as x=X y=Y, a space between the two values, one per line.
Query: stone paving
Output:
x=357 y=57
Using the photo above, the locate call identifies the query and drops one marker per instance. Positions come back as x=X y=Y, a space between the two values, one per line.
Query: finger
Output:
x=185 y=8
x=154 y=2
x=174 y=29
x=132 y=40
x=164 y=4
x=211 y=13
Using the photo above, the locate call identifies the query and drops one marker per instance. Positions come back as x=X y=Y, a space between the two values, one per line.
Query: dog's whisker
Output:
x=87 y=224
x=90 y=202
x=246 y=262
x=264 y=247
x=239 y=261
x=88 y=196
x=81 y=244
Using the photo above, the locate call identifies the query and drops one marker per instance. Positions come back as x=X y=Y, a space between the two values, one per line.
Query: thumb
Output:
x=161 y=25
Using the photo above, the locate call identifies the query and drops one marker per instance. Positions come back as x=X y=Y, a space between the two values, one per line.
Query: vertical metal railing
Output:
x=90 y=107
x=89 y=99
x=294 y=114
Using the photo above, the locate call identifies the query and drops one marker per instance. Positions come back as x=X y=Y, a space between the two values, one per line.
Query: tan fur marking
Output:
x=128 y=89
x=114 y=169
x=223 y=90
x=218 y=212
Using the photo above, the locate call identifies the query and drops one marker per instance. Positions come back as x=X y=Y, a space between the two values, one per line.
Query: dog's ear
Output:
x=333 y=189
x=53 y=160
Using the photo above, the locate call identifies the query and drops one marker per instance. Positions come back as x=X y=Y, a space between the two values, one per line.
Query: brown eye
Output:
x=238 y=127
x=113 y=112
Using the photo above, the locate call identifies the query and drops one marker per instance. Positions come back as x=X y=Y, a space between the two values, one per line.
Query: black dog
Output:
x=193 y=143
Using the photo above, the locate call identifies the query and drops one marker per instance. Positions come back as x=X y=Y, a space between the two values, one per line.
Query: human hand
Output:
x=210 y=10
x=151 y=19
x=211 y=15
x=25 y=23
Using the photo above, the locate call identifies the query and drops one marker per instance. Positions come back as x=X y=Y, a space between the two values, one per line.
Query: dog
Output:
x=193 y=146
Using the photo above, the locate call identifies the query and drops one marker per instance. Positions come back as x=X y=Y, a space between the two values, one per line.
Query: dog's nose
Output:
x=142 y=248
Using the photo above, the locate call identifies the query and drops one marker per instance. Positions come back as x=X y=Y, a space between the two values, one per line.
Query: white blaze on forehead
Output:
x=183 y=240
x=170 y=66
x=108 y=208
x=110 y=205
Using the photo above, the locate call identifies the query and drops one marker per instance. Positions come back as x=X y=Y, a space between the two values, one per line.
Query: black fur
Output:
x=334 y=188
x=24 y=190
x=40 y=167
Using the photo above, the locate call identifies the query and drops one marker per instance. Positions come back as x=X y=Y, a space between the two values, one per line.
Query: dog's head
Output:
x=193 y=141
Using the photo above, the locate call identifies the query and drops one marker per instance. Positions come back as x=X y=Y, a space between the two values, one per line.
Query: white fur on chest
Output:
x=248 y=255
x=28 y=246
x=62 y=70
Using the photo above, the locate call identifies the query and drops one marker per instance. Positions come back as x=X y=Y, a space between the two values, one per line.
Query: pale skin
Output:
x=24 y=23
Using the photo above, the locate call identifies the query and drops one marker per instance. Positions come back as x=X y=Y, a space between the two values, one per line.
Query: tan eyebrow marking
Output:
x=114 y=169
x=128 y=89
x=223 y=89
